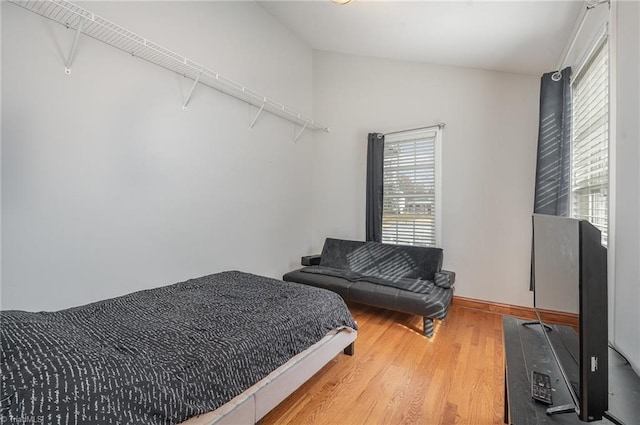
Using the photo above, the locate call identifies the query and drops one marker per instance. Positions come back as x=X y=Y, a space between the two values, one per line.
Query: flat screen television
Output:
x=569 y=279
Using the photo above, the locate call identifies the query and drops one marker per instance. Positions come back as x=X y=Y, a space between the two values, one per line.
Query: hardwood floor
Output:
x=397 y=376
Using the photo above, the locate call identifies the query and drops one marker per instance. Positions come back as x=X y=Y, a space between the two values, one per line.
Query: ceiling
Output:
x=514 y=36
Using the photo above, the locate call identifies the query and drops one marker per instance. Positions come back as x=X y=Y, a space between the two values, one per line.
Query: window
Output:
x=410 y=188
x=590 y=141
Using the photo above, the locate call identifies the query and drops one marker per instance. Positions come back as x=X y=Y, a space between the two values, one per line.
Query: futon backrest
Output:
x=380 y=259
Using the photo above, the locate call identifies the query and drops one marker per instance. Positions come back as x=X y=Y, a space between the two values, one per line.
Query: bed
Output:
x=224 y=348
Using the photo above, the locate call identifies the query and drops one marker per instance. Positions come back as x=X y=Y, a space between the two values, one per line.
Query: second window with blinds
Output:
x=590 y=141
x=411 y=193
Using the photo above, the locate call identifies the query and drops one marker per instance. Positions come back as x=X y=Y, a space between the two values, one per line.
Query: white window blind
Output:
x=410 y=188
x=590 y=144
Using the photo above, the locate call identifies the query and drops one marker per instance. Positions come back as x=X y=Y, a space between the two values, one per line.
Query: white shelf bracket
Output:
x=258 y=114
x=72 y=53
x=87 y=23
x=195 y=83
x=300 y=132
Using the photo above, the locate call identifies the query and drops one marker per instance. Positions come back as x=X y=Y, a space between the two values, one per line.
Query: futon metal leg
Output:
x=350 y=349
x=428 y=327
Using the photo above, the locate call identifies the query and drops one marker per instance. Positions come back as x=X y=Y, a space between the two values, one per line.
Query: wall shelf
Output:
x=88 y=23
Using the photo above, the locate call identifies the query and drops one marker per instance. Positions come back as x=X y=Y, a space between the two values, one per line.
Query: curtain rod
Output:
x=439 y=125
x=557 y=76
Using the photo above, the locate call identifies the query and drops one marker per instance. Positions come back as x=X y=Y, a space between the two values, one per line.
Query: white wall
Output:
x=626 y=67
x=489 y=155
x=109 y=187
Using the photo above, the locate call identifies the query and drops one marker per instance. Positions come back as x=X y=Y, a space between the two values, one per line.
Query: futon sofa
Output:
x=408 y=279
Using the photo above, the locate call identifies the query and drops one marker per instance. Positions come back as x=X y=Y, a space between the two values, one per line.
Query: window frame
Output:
x=437 y=165
x=601 y=44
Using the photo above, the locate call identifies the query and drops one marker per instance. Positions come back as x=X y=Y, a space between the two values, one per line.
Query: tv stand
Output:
x=526 y=349
x=613 y=419
x=569 y=408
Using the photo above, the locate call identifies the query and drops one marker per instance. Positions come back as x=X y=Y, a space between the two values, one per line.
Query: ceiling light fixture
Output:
x=342 y=2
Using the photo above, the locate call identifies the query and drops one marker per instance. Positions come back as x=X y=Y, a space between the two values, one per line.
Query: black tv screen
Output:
x=569 y=278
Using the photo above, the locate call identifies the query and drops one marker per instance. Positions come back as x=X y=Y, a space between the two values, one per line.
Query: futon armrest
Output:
x=445 y=278
x=310 y=260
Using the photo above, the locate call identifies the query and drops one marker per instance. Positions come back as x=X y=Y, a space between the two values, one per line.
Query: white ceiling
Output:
x=513 y=36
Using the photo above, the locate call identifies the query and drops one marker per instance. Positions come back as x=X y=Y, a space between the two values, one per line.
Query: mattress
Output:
x=162 y=355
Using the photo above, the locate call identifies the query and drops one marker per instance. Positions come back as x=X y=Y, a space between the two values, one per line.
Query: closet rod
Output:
x=439 y=125
x=71 y=16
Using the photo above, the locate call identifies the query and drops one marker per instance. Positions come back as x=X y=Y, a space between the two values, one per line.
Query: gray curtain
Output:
x=375 y=157
x=554 y=143
x=554 y=149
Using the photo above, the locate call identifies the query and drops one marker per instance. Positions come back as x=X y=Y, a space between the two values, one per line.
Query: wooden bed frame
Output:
x=254 y=403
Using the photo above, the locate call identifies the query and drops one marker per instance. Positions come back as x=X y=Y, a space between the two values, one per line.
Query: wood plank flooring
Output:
x=397 y=376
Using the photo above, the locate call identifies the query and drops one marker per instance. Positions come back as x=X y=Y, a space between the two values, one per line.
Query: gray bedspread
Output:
x=158 y=356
